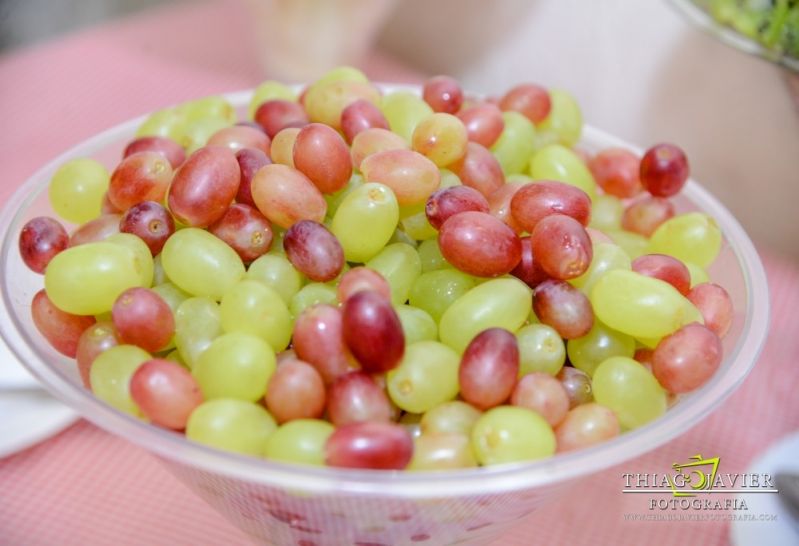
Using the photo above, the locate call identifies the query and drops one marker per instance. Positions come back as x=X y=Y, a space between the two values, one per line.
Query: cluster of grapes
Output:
x=380 y=281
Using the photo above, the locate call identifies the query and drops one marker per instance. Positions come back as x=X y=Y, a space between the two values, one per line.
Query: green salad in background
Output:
x=772 y=23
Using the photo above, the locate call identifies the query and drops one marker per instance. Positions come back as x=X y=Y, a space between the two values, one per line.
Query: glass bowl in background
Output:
x=288 y=505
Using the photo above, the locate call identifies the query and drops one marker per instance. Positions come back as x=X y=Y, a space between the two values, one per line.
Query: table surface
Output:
x=87 y=487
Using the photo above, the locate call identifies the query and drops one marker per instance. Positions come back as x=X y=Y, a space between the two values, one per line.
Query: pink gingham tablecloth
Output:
x=85 y=487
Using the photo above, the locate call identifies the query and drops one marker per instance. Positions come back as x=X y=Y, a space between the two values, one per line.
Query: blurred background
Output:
x=638 y=69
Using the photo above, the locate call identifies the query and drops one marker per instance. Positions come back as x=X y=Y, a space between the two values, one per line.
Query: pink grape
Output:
x=358 y=279
x=141 y=317
x=645 y=357
x=204 y=186
x=322 y=155
x=564 y=308
x=319 y=340
x=528 y=269
x=150 y=222
x=96 y=230
x=499 y=204
x=276 y=115
x=534 y=202
x=171 y=150
x=586 y=425
x=245 y=230
x=450 y=201
x=410 y=175
x=61 y=329
x=528 y=99
x=143 y=176
x=443 y=94
x=645 y=215
x=666 y=268
x=664 y=170
x=715 y=305
x=687 y=359
x=107 y=207
x=484 y=123
x=479 y=169
x=489 y=368
x=372 y=141
x=597 y=236
x=240 y=137
x=616 y=172
x=372 y=331
x=40 y=240
x=543 y=394
x=356 y=397
x=577 y=385
x=314 y=251
x=381 y=446
x=286 y=196
x=250 y=160
x=479 y=244
x=295 y=391
x=360 y=116
x=561 y=246
x=94 y=340
x=165 y=392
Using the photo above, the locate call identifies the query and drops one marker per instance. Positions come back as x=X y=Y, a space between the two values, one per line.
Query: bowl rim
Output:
x=400 y=484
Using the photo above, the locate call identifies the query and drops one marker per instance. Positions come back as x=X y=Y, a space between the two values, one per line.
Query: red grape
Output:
x=356 y=397
x=143 y=318
x=443 y=94
x=96 y=230
x=358 y=279
x=276 y=115
x=62 y=330
x=664 y=170
x=715 y=305
x=107 y=206
x=543 y=394
x=479 y=169
x=251 y=124
x=167 y=147
x=149 y=221
x=529 y=99
x=295 y=391
x=563 y=307
x=585 y=426
x=285 y=196
x=245 y=230
x=562 y=247
x=451 y=201
x=372 y=331
x=313 y=250
x=666 y=268
x=484 y=123
x=597 y=236
x=616 y=172
x=360 y=116
x=372 y=141
x=479 y=244
x=489 y=368
x=534 y=202
x=143 y=176
x=40 y=240
x=382 y=446
x=204 y=186
x=577 y=385
x=499 y=204
x=645 y=216
x=250 y=160
x=645 y=357
x=94 y=340
x=322 y=155
x=165 y=392
x=528 y=270
x=687 y=359
x=239 y=137
x=319 y=340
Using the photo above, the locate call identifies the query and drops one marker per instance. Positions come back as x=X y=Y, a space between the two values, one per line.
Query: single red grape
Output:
x=563 y=307
x=295 y=391
x=382 y=446
x=687 y=359
x=360 y=116
x=245 y=230
x=528 y=99
x=165 y=392
x=443 y=94
x=62 y=330
x=143 y=318
x=616 y=171
x=171 y=150
x=276 y=115
x=479 y=244
x=664 y=170
x=534 y=202
x=373 y=331
x=451 y=201
x=313 y=250
x=356 y=397
x=149 y=221
x=715 y=304
x=484 y=123
x=250 y=160
x=40 y=240
x=489 y=368
x=562 y=247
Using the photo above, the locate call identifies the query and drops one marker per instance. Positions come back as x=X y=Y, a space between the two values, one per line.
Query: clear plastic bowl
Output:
x=292 y=505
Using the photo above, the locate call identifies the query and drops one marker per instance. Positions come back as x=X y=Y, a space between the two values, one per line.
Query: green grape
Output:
x=86 y=279
x=159 y=275
x=691 y=237
x=455 y=416
x=142 y=257
x=231 y=425
x=510 y=434
x=448 y=179
x=173 y=296
x=342 y=74
x=417 y=226
x=400 y=266
x=629 y=390
x=278 y=233
x=606 y=212
x=365 y=221
x=235 y=365
x=165 y=123
x=633 y=244
x=269 y=90
x=417 y=324
x=442 y=452
x=606 y=258
x=201 y=264
x=541 y=349
x=311 y=294
x=197 y=322
x=426 y=377
x=174 y=356
x=698 y=274
x=277 y=273
x=301 y=441
x=600 y=343
x=334 y=199
x=515 y=146
x=77 y=188
x=401 y=236
x=640 y=306
x=557 y=162
x=501 y=303
x=110 y=375
x=211 y=107
x=435 y=291
x=564 y=119
x=196 y=133
x=404 y=111
x=254 y=308
x=431 y=257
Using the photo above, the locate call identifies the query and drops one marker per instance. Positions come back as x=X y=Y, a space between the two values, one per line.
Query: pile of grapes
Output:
x=386 y=281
